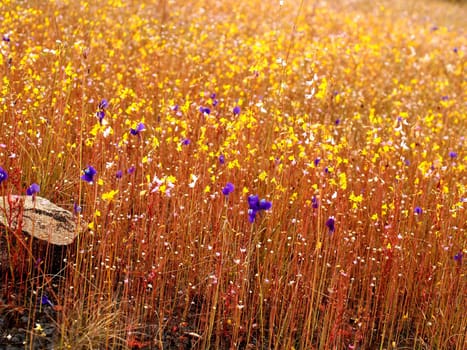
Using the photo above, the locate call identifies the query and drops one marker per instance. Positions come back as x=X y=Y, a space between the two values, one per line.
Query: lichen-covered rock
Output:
x=39 y=218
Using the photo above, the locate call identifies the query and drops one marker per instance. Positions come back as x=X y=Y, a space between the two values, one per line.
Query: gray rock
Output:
x=39 y=218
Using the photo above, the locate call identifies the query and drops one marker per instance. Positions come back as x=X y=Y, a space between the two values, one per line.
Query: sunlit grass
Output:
x=350 y=119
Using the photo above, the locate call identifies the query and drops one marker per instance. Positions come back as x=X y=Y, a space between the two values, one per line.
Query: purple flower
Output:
x=46 y=301
x=119 y=174
x=316 y=161
x=100 y=115
x=214 y=100
x=103 y=104
x=452 y=154
x=131 y=169
x=418 y=211
x=204 y=110
x=458 y=257
x=33 y=189
x=221 y=159
x=76 y=208
x=140 y=127
x=89 y=174
x=251 y=215
x=314 y=202
x=6 y=38
x=337 y=121
x=3 y=175
x=236 y=110
x=37 y=262
x=253 y=201
x=330 y=223
x=228 y=189
x=186 y=142
x=256 y=205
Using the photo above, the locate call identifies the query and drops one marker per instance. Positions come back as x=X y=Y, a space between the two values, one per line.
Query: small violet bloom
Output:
x=100 y=115
x=131 y=169
x=135 y=131
x=76 y=208
x=101 y=112
x=119 y=174
x=186 y=142
x=214 y=101
x=236 y=110
x=458 y=257
x=103 y=104
x=6 y=38
x=256 y=205
x=452 y=155
x=228 y=189
x=314 y=202
x=89 y=174
x=205 y=110
x=316 y=161
x=38 y=262
x=222 y=159
x=330 y=223
x=3 y=175
x=33 y=189
x=418 y=211
x=46 y=301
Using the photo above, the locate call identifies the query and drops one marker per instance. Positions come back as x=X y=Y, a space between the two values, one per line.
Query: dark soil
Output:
x=35 y=327
x=18 y=332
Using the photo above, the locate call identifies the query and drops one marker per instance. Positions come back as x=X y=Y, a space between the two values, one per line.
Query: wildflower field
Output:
x=248 y=174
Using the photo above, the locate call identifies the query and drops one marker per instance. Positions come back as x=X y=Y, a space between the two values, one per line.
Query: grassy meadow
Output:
x=252 y=174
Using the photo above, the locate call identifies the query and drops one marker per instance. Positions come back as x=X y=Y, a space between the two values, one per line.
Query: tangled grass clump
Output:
x=270 y=175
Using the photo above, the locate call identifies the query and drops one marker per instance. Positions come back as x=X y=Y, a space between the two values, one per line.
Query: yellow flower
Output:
x=356 y=200
x=109 y=196
x=262 y=176
x=343 y=181
x=322 y=88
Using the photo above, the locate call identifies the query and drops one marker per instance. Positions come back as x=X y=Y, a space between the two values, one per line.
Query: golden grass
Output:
x=352 y=112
